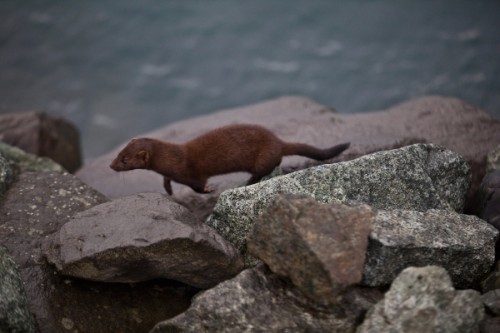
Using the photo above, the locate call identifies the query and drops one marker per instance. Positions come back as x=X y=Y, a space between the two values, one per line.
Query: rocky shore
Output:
x=399 y=233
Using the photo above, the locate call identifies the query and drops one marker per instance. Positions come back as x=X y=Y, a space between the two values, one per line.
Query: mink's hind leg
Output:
x=167 y=185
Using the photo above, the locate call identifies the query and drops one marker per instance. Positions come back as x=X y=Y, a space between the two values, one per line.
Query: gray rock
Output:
x=7 y=175
x=143 y=237
x=28 y=162
x=417 y=177
x=423 y=300
x=36 y=205
x=14 y=312
x=258 y=301
x=320 y=248
x=491 y=301
x=487 y=203
x=44 y=135
x=492 y=281
x=463 y=244
x=493 y=160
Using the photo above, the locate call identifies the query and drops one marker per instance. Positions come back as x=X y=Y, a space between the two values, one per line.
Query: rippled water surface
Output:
x=120 y=68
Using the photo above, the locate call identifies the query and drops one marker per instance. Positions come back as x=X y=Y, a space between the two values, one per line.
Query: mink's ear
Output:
x=143 y=155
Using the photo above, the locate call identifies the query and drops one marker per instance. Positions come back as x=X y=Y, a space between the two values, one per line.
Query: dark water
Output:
x=119 y=68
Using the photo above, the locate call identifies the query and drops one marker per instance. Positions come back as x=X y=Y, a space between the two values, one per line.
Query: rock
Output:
x=492 y=281
x=417 y=177
x=490 y=324
x=258 y=301
x=423 y=300
x=36 y=205
x=448 y=122
x=488 y=199
x=14 y=313
x=463 y=244
x=493 y=160
x=143 y=237
x=44 y=135
x=320 y=247
x=26 y=161
x=7 y=175
x=491 y=301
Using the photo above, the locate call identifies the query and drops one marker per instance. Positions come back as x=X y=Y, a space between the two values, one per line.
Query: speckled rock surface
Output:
x=143 y=237
x=423 y=300
x=26 y=161
x=493 y=160
x=36 y=205
x=7 y=175
x=258 y=301
x=416 y=177
x=43 y=135
x=15 y=315
x=491 y=300
x=463 y=244
x=296 y=238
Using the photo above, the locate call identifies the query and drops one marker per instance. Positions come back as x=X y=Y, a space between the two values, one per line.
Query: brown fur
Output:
x=249 y=148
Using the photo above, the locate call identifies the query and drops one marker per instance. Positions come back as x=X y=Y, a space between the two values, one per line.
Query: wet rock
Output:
x=36 y=205
x=320 y=248
x=14 y=312
x=449 y=122
x=7 y=175
x=24 y=161
x=258 y=301
x=143 y=237
x=493 y=160
x=463 y=244
x=44 y=135
x=417 y=177
x=423 y=300
x=491 y=301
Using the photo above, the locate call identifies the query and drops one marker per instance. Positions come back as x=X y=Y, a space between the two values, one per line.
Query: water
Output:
x=120 y=68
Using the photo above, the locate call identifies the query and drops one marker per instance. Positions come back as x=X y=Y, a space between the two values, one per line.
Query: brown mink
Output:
x=233 y=148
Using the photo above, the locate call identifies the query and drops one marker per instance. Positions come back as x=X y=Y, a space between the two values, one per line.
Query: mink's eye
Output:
x=124 y=160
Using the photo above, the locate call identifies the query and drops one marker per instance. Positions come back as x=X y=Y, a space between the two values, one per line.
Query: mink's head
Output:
x=135 y=155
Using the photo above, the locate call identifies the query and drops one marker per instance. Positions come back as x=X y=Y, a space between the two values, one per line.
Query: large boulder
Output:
x=448 y=122
x=143 y=237
x=15 y=315
x=417 y=177
x=423 y=300
x=44 y=135
x=320 y=248
x=35 y=206
x=258 y=301
x=463 y=244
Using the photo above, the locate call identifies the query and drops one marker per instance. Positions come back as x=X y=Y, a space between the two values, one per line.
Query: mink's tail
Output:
x=313 y=152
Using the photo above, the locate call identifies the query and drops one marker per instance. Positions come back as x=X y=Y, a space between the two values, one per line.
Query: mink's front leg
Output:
x=167 y=185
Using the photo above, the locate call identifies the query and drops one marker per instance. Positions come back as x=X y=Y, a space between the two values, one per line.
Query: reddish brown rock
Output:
x=448 y=122
x=43 y=135
x=319 y=247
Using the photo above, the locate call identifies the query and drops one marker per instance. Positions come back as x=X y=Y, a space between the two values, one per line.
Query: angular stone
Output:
x=423 y=300
x=28 y=162
x=44 y=135
x=15 y=315
x=492 y=281
x=7 y=175
x=463 y=244
x=491 y=301
x=487 y=203
x=493 y=160
x=258 y=301
x=320 y=248
x=36 y=205
x=417 y=177
x=143 y=237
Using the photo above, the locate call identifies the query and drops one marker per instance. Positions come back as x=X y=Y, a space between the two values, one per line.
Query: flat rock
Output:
x=143 y=237
x=463 y=244
x=15 y=315
x=258 y=301
x=44 y=135
x=320 y=248
x=423 y=300
x=416 y=177
x=35 y=206
x=448 y=122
